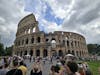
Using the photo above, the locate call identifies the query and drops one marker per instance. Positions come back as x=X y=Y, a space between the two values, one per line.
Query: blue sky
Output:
x=80 y=16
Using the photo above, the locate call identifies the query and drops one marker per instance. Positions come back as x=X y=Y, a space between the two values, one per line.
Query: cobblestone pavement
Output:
x=46 y=67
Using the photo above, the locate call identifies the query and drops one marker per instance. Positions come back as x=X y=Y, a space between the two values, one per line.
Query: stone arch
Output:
x=67 y=43
x=60 y=53
x=27 y=41
x=45 y=53
x=47 y=40
x=31 y=52
x=38 y=39
x=38 y=52
x=34 y=29
x=25 y=53
x=29 y=31
x=73 y=52
x=32 y=40
x=69 y=51
x=22 y=42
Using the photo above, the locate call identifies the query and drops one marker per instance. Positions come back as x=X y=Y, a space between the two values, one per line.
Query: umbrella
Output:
x=69 y=55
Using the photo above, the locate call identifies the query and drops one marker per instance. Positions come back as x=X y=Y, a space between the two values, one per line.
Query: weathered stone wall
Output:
x=29 y=40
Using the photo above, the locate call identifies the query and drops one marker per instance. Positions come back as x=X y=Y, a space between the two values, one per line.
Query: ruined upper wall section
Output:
x=27 y=25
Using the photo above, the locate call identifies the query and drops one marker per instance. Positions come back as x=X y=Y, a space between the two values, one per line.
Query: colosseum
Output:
x=31 y=41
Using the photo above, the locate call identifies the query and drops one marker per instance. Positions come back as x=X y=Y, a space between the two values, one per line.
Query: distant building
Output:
x=31 y=41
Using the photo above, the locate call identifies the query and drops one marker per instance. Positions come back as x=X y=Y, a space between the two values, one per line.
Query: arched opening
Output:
x=60 y=53
x=45 y=53
x=25 y=53
x=27 y=41
x=69 y=52
x=32 y=40
x=73 y=53
x=28 y=31
x=38 y=39
x=34 y=29
x=47 y=40
x=37 y=52
x=22 y=42
x=31 y=53
x=67 y=43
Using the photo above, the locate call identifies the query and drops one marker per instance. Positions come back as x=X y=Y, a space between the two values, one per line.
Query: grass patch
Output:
x=94 y=65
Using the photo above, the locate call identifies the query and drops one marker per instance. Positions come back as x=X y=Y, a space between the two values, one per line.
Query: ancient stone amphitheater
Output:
x=30 y=41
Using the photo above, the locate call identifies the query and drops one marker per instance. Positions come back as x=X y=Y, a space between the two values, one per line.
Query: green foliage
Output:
x=94 y=48
x=8 y=51
x=2 y=52
x=5 y=52
x=94 y=65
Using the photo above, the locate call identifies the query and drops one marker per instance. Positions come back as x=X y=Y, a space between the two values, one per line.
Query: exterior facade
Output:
x=30 y=41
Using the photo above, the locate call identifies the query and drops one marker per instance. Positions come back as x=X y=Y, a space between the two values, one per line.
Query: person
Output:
x=36 y=70
x=72 y=68
x=1 y=68
x=14 y=70
x=23 y=68
x=87 y=69
x=53 y=70
x=81 y=69
x=5 y=69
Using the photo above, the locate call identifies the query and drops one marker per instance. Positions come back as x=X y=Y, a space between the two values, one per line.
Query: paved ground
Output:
x=46 y=67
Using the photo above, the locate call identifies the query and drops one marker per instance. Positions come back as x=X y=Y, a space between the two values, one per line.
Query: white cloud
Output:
x=81 y=16
x=10 y=14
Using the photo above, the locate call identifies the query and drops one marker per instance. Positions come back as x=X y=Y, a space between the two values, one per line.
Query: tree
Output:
x=2 y=51
x=8 y=51
x=94 y=48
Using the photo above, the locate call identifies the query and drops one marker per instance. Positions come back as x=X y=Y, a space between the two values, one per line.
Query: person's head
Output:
x=21 y=63
x=52 y=68
x=73 y=67
x=63 y=62
x=35 y=67
x=6 y=65
x=57 y=68
x=15 y=63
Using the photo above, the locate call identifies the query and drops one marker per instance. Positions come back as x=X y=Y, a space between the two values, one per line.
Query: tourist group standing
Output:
x=16 y=66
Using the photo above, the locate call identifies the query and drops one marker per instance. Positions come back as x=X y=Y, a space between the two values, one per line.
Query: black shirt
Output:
x=36 y=73
x=14 y=72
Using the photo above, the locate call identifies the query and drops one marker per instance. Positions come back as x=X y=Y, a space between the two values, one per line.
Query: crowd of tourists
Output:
x=63 y=66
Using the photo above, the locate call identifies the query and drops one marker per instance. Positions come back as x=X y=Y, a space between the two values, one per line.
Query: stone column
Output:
x=35 y=40
x=49 y=51
x=34 y=52
x=41 y=52
x=31 y=30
